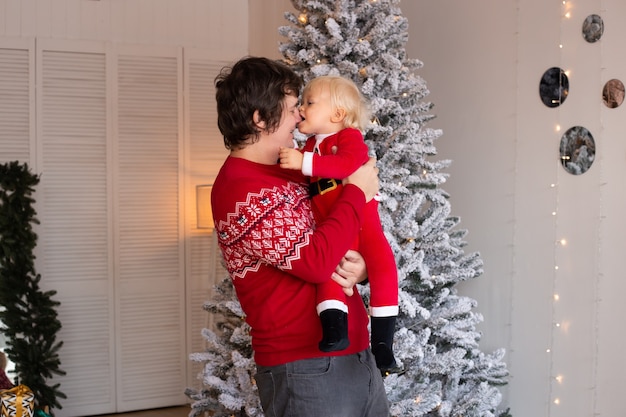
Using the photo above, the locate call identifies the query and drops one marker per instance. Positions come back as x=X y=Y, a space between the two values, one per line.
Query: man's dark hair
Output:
x=252 y=84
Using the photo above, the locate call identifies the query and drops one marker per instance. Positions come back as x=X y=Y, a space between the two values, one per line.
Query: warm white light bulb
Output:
x=559 y=379
x=557 y=297
x=557 y=401
x=563 y=242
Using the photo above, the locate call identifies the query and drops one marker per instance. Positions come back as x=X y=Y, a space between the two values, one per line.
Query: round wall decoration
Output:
x=593 y=28
x=577 y=149
x=613 y=93
x=554 y=87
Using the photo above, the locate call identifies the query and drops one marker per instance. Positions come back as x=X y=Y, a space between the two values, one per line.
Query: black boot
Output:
x=383 y=329
x=334 y=330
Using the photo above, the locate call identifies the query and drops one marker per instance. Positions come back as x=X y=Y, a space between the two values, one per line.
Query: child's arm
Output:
x=348 y=153
x=290 y=158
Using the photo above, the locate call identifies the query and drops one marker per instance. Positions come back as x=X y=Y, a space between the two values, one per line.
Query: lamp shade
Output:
x=203 y=207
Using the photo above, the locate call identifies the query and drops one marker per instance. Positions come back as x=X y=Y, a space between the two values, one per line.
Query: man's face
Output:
x=289 y=119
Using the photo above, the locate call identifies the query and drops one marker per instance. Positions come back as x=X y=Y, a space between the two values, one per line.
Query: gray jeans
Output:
x=332 y=386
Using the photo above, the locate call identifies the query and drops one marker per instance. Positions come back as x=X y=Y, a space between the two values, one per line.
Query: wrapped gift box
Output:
x=17 y=402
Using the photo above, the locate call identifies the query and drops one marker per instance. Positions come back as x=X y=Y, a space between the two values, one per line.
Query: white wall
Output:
x=265 y=19
x=483 y=62
x=470 y=61
x=208 y=24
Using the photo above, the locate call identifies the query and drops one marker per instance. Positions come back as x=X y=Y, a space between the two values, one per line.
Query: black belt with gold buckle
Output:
x=322 y=186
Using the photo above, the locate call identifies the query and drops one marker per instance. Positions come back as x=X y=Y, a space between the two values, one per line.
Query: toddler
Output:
x=334 y=113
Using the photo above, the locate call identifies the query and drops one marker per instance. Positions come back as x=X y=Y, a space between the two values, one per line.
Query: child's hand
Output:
x=290 y=158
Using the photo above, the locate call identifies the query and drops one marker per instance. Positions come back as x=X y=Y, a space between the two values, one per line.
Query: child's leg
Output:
x=383 y=279
x=333 y=312
x=383 y=329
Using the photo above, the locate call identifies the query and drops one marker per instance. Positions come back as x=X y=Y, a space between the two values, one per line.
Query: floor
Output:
x=182 y=411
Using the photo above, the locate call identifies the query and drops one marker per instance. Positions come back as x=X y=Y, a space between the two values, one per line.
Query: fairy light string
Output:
x=557 y=379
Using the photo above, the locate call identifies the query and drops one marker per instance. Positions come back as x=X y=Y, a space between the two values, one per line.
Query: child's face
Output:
x=317 y=112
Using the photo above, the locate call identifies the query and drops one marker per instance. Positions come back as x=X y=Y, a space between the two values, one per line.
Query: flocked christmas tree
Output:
x=436 y=342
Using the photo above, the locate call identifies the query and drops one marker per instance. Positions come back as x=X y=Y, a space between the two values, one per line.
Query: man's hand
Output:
x=290 y=158
x=350 y=271
x=366 y=178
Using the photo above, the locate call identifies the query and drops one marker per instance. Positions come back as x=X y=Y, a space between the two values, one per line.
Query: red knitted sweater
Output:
x=265 y=227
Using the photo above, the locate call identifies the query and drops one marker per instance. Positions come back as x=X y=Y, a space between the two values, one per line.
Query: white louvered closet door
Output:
x=120 y=153
x=74 y=199
x=149 y=232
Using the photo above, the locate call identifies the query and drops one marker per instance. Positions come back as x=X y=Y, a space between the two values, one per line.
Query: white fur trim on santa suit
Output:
x=331 y=304
x=384 y=311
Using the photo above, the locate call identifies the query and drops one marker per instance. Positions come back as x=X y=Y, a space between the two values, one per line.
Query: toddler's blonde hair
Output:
x=344 y=94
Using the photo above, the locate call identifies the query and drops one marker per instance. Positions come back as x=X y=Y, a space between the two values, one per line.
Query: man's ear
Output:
x=338 y=115
x=256 y=118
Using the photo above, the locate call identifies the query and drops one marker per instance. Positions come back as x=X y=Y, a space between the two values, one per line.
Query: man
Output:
x=275 y=254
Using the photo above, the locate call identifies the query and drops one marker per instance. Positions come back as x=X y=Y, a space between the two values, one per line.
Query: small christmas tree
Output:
x=28 y=314
x=445 y=372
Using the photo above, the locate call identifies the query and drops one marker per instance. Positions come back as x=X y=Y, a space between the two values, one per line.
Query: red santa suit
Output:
x=326 y=170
